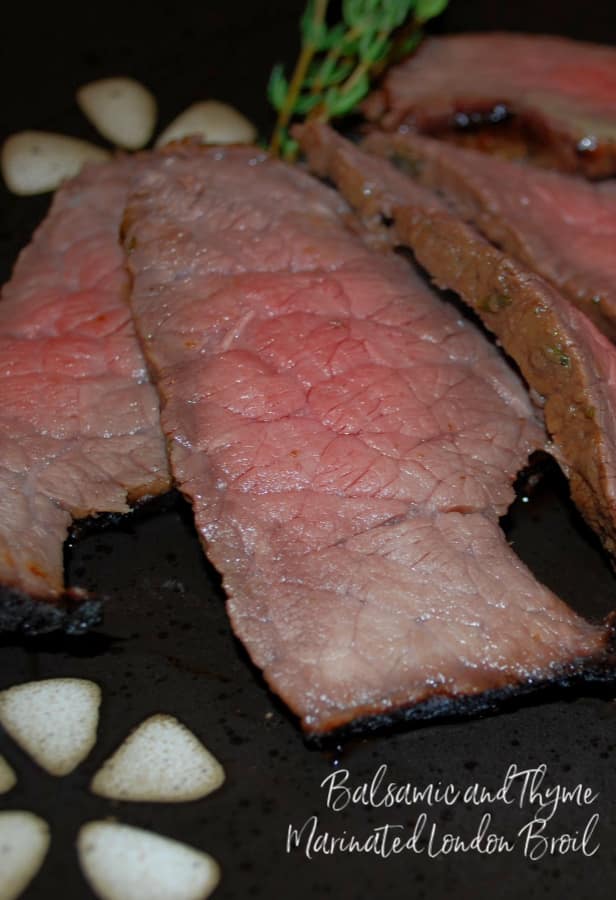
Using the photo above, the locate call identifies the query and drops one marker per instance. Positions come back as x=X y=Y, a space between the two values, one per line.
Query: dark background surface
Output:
x=166 y=645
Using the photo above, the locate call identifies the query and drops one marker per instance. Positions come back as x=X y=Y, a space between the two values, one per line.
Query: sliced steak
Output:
x=79 y=424
x=347 y=442
x=561 y=93
x=570 y=365
x=560 y=226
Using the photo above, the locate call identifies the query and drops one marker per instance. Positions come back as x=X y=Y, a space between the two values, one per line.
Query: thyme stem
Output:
x=338 y=62
x=295 y=86
x=332 y=57
x=363 y=68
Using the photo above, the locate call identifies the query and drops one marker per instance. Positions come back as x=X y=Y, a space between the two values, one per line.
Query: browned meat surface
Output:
x=561 y=93
x=570 y=365
x=560 y=226
x=347 y=443
x=79 y=422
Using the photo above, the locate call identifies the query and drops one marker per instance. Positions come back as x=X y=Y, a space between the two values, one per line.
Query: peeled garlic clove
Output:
x=162 y=762
x=55 y=720
x=121 y=109
x=8 y=779
x=24 y=841
x=34 y=162
x=125 y=863
x=214 y=122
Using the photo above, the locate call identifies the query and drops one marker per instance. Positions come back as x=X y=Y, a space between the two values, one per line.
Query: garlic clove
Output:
x=24 y=841
x=213 y=122
x=8 y=779
x=34 y=162
x=125 y=863
x=161 y=762
x=123 y=110
x=55 y=720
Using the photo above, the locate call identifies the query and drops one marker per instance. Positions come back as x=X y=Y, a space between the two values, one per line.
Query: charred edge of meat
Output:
x=592 y=676
x=490 y=114
x=73 y=613
x=496 y=128
x=143 y=508
x=514 y=133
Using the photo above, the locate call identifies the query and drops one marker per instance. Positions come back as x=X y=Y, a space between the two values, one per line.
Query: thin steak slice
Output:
x=347 y=443
x=561 y=93
x=570 y=365
x=560 y=226
x=79 y=423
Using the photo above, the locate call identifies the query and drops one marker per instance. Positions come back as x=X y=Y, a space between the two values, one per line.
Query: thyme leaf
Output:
x=338 y=62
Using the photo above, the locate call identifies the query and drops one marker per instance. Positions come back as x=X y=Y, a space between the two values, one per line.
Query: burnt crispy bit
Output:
x=72 y=613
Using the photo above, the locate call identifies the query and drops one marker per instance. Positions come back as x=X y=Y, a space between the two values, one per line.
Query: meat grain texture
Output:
x=569 y=364
x=79 y=421
x=347 y=443
x=561 y=92
x=558 y=225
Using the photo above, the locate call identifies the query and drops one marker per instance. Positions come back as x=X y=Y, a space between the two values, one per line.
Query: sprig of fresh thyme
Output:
x=337 y=62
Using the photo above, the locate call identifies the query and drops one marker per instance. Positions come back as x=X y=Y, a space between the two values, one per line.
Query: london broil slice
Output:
x=561 y=93
x=560 y=226
x=347 y=443
x=79 y=421
x=568 y=362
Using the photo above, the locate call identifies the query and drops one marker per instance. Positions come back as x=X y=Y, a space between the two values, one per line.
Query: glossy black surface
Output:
x=166 y=644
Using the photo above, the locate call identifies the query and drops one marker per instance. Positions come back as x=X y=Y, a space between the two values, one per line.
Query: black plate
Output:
x=166 y=644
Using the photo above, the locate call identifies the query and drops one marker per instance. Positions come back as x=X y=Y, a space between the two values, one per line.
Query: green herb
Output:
x=558 y=354
x=495 y=302
x=337 y=63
